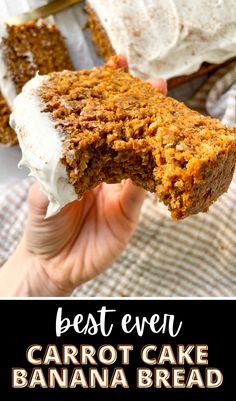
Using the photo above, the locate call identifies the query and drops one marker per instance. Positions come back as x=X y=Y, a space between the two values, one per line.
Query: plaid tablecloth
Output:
x=193 y=257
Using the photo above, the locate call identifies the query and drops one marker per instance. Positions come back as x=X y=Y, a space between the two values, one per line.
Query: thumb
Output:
x=37 y=201
x=45 y=237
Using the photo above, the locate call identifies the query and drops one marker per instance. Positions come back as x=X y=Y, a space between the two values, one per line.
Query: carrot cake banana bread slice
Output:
x=26 y=49
x=78 y=129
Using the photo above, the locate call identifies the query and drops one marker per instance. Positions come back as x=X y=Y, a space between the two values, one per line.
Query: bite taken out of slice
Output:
x=78 y=129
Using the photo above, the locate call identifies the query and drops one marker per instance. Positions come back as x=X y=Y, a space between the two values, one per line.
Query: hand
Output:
x=84 y=239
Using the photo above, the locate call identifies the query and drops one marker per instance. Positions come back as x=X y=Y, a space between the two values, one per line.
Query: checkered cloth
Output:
x=193 y=257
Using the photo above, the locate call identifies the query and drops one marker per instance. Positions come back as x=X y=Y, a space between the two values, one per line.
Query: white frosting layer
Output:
x=6 y=84
x=41 y=146
x=169 y=38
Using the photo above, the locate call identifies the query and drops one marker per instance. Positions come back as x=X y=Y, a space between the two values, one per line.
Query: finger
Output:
x=159 y=83
x=119 y=61
x=131 y=200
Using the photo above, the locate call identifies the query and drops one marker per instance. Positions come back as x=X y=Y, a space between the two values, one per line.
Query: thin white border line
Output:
x=117 y=299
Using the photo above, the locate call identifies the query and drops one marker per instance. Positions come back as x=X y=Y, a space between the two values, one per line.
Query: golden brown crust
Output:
x=7 y=135
x=116 y=127
x=33 y=47
x=99 y=36
x=206 y=68
x=105 y=50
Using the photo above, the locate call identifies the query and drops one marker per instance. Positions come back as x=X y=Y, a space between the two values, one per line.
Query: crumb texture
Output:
x=7 y=135
x=33 y=47
x=116 y=127
x=27 y=49
x=99 y=36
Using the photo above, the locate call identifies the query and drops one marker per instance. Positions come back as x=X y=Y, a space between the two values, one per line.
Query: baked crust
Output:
x=99 y=36
x=205 y=68
x=7 y=135
x=116 y=126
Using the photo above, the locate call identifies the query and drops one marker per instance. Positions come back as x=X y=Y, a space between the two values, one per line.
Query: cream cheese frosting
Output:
x=41 y=145
x=169 y=38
